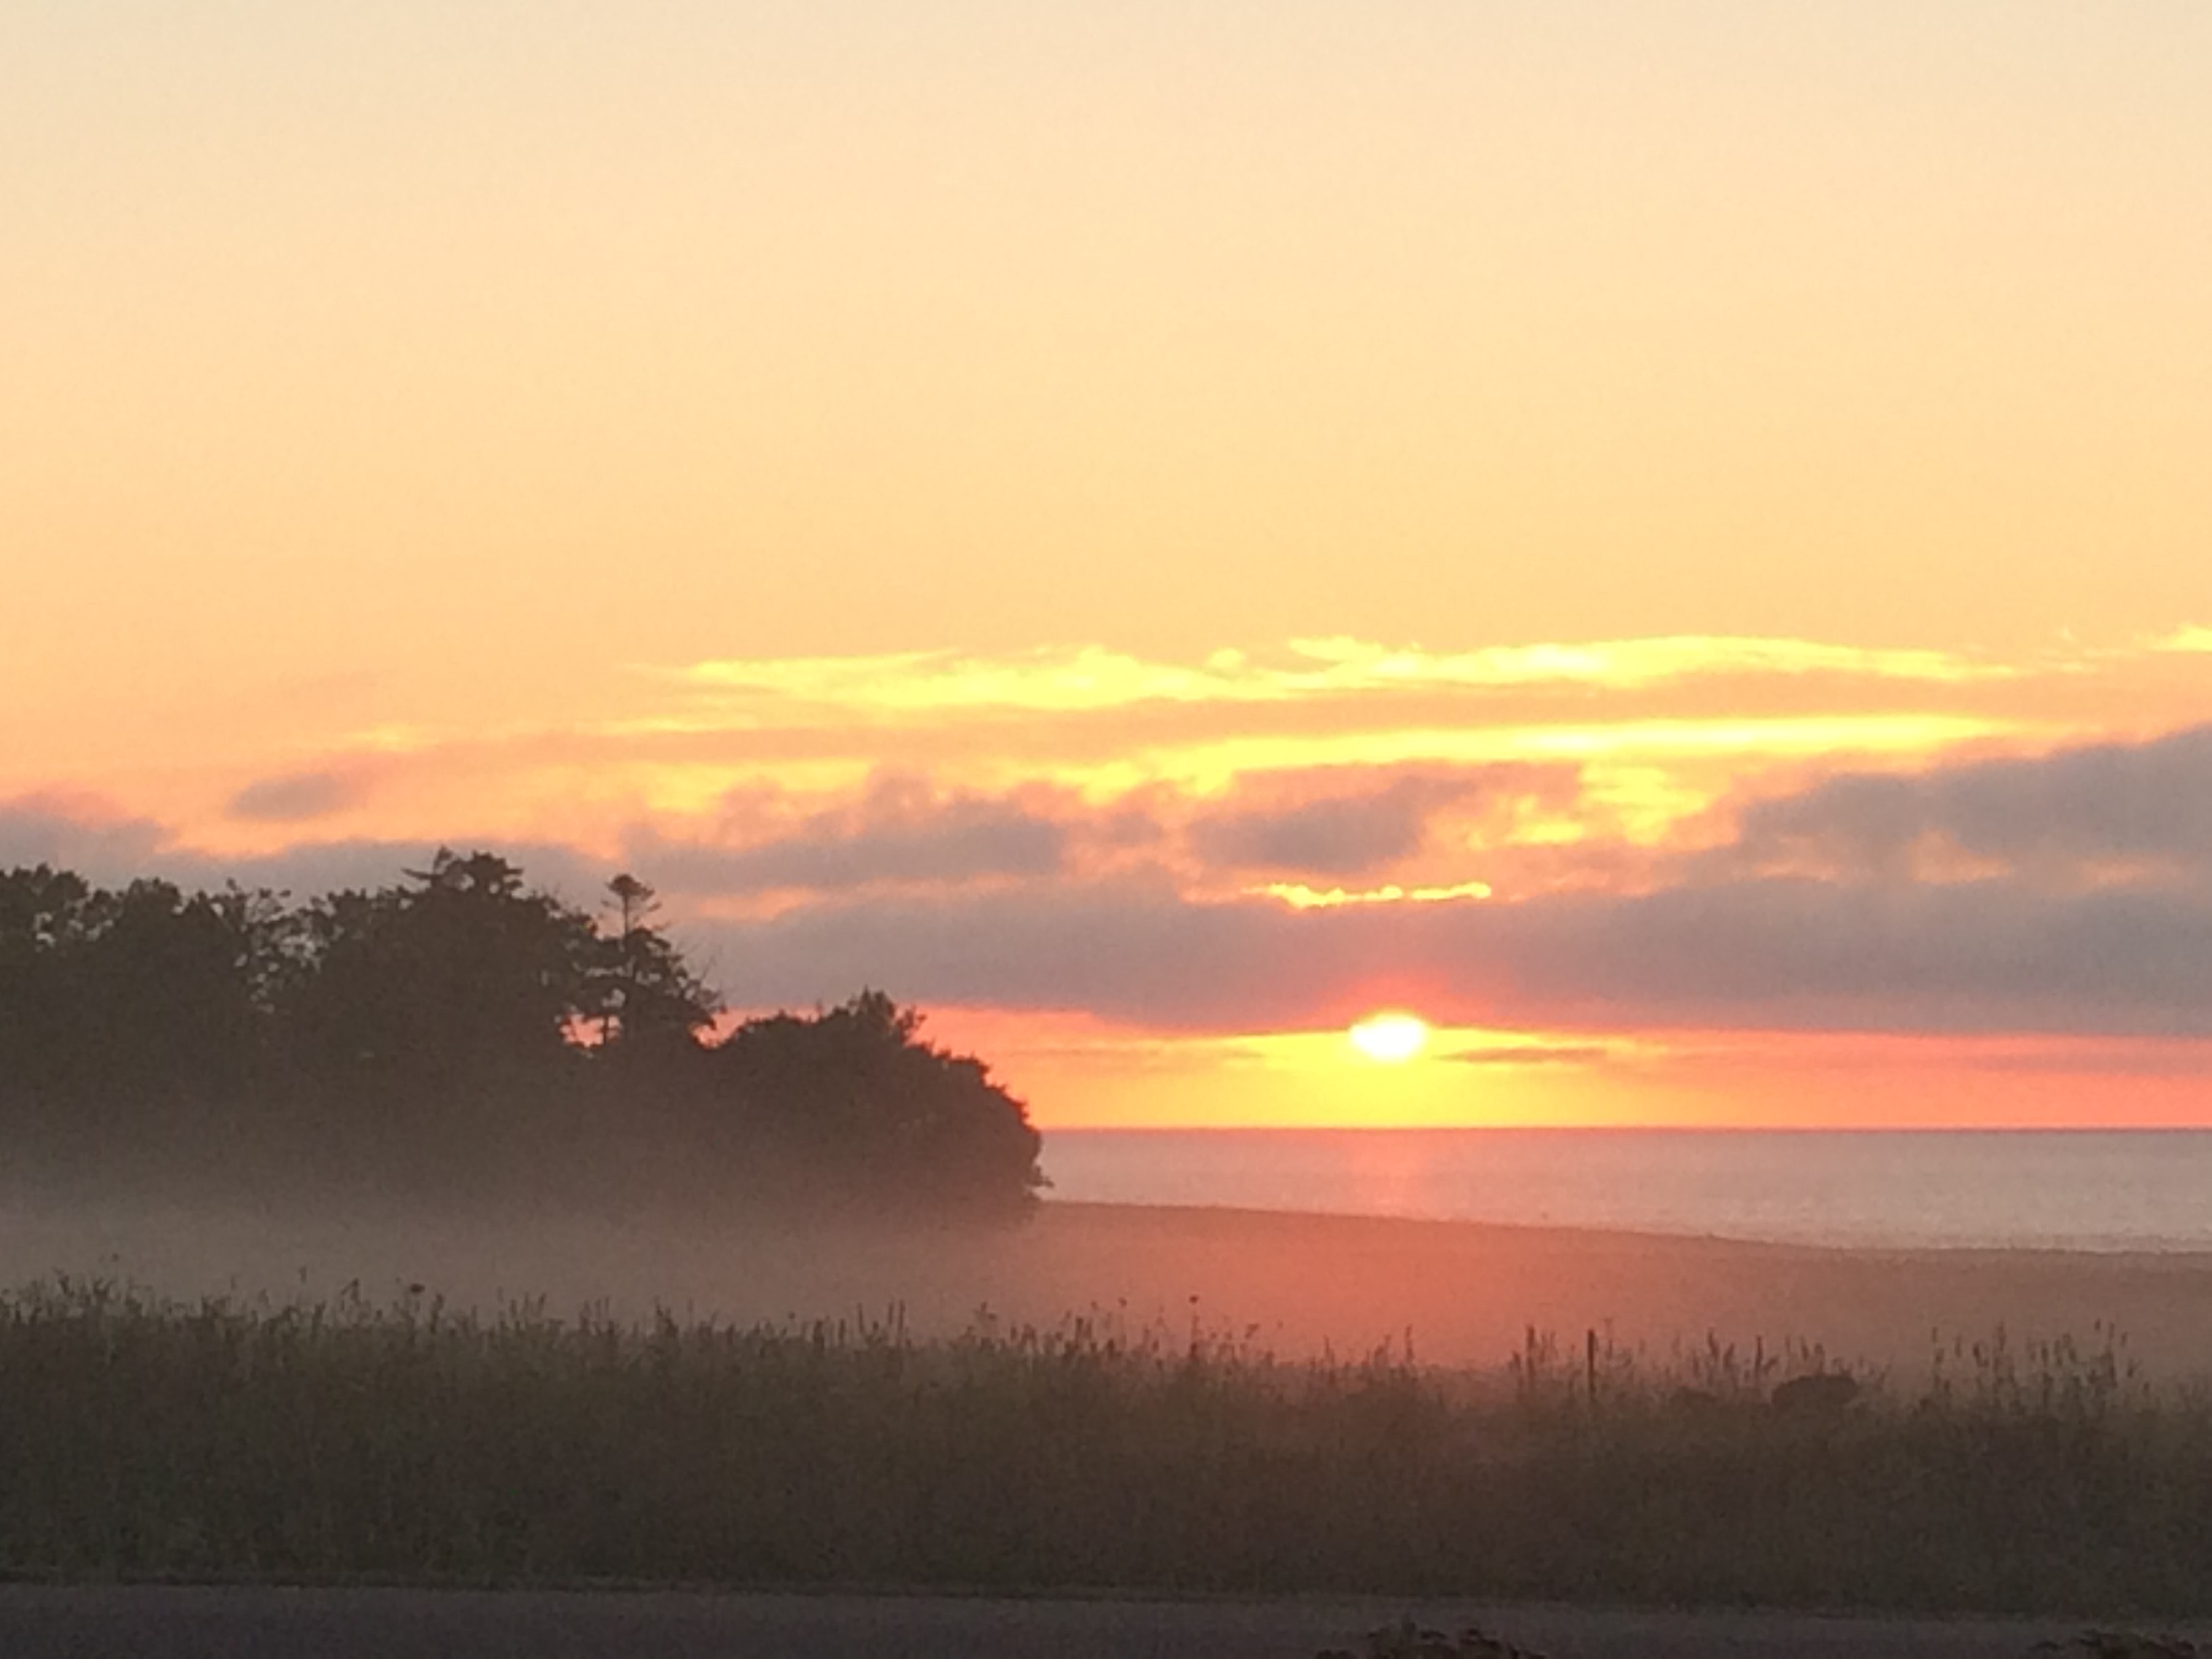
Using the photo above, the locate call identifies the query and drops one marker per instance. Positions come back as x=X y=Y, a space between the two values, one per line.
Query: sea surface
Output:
x=2079 y=1190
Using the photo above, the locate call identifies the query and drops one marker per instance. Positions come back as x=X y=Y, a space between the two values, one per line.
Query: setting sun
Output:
x=1390 y=1039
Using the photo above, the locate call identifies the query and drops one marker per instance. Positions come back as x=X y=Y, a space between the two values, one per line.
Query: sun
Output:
x=1390 y=1039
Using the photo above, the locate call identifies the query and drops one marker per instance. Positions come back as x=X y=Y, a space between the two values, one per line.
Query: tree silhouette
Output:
x=452 y=1015
x=465 y=977
x=45 y=918
x=108 y=995
x=646 y=999
x=168 y=982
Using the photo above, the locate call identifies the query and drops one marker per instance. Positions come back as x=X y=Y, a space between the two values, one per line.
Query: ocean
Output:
x=2075 y=1189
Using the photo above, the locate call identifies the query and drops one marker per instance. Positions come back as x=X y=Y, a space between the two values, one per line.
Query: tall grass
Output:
x=404 y=1440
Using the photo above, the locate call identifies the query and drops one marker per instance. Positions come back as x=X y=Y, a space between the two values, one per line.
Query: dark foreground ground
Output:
x=38 y=1622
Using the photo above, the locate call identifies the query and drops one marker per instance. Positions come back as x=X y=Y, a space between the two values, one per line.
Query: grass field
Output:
x=396 y=1440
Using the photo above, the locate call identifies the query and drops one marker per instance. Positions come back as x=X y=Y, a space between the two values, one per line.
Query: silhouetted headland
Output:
x=461 y=1032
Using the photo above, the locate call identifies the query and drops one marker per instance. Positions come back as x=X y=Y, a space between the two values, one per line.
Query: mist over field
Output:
x=1456 y=1294
x=503 y=1251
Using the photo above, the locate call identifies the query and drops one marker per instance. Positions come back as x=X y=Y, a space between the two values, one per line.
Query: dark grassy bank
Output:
x=140 y=1438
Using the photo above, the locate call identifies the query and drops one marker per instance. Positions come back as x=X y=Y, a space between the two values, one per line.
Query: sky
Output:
x=1671 y=541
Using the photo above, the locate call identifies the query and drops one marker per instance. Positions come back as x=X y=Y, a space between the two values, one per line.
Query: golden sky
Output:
x=1670 y=539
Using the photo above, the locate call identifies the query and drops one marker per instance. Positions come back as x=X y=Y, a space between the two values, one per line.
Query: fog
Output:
x=488 y=1256
x=1294 y=1286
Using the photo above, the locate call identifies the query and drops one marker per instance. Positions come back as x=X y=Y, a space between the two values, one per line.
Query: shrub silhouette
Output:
x=854 y=1093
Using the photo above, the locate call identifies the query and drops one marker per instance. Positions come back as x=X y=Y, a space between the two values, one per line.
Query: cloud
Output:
x=113 y=851
x=1760 y=953
x=2076 y=812
x=1129 y=951
x=318 y=867
x=1856 y=945
x=900 y=832
x=1307 y=822
x=1023 y=900
x=75 y=835
x=1991 y=956
x=1532 y=1054
x=1994 y=955
x=295 y=797
x=1068 y=679
x=1336 y=836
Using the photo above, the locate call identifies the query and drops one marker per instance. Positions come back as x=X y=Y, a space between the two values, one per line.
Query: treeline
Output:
x=465 y=1028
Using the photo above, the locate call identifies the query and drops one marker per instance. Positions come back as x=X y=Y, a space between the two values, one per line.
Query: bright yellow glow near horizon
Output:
x=1390 y=1039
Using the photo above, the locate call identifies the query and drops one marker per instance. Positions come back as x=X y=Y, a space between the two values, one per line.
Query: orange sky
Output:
x=1670 y=540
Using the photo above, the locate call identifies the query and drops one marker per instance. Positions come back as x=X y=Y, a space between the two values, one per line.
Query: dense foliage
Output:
x=405 y=1442
x=463 y=1025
